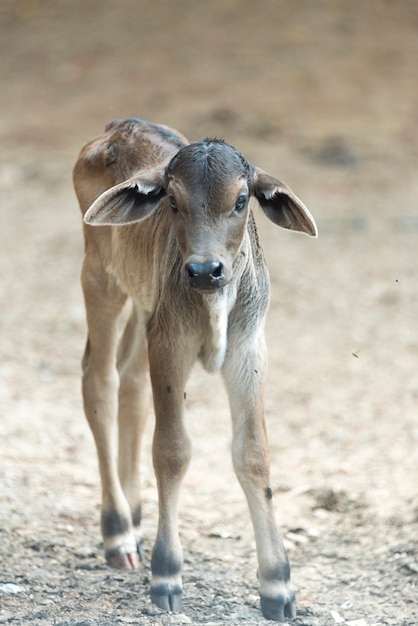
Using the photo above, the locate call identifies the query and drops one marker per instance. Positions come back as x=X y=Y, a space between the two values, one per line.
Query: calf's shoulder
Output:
x=125 y=148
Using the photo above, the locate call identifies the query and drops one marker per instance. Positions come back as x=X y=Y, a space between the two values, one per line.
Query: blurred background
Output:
x=295 y=72
x=321 y=94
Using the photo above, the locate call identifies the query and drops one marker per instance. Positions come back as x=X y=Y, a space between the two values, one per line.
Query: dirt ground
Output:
x=324 y=95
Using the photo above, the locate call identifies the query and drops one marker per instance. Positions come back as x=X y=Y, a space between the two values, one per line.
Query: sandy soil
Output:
x=324 y=95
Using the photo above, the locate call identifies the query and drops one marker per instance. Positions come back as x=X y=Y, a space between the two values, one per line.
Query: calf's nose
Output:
x=205 y=276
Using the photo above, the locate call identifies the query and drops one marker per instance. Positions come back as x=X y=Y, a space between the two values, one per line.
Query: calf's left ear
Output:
x=126 y=203
x=281 y=205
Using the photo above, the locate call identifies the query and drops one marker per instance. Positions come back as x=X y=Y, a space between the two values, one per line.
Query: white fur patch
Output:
x=219 y=307
x=270 y=193
x=145 y=188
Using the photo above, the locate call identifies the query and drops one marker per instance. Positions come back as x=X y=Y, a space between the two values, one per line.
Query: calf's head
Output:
x=205 y=189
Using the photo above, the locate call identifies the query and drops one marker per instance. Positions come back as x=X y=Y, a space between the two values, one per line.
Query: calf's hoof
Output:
x=167 y=597
x=126 y=559
x=279 y=608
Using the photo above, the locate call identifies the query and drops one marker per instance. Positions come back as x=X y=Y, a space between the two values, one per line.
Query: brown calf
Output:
x=178 y=239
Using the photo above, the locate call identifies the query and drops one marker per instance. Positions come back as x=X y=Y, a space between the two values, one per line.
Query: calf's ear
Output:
x=126 y=203
x=281 y=205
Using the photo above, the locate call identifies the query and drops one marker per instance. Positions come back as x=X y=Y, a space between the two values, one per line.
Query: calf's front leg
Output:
x=244 y=377
x=171 y=456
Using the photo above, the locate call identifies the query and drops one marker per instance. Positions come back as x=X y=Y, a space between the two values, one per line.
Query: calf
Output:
x=177 y=238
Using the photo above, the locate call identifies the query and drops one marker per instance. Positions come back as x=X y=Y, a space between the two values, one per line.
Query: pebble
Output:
x=180 y=618
x=11 y=588
x=337 y=617
x=347 y=605
x=297 y=538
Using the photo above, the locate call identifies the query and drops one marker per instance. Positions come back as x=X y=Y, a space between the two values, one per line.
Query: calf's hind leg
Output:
x=133 y=409
x=104 y=302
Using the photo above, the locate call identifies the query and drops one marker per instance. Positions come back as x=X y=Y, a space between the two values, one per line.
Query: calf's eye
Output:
x=241 y=204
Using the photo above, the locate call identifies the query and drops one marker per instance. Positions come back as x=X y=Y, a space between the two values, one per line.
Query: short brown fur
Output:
x=168 y=227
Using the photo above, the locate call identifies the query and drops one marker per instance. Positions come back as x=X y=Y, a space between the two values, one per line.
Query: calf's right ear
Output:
x=281 y=205
x=126 y=203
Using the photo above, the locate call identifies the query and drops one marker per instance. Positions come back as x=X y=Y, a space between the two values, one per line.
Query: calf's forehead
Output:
x=210 y=167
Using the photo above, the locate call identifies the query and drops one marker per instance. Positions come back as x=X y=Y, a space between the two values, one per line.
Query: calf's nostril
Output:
x=216 y=271
x=192 y=270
